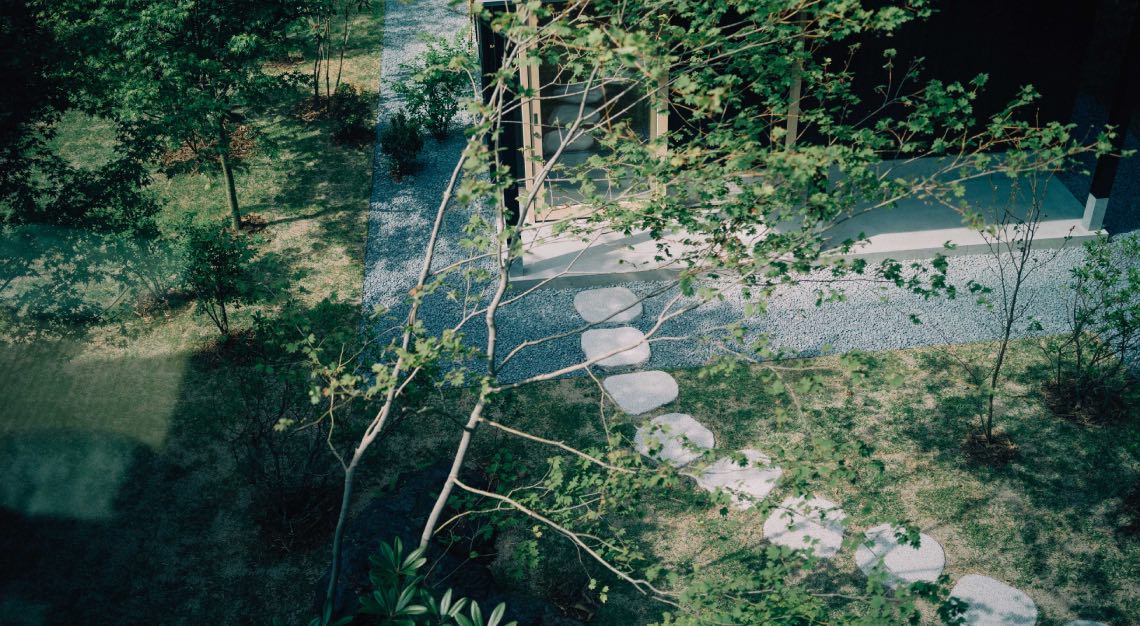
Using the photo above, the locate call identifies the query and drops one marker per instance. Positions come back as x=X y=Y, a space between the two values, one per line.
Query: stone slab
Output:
x=613 y=304
x=641 y=392
x=994 y=603
x=902 y=564
x=673 y=438
x=600 y=341
x=745 y=484
x=815 y=525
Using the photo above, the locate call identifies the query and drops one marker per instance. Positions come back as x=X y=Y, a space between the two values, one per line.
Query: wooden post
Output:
x=1124 y=101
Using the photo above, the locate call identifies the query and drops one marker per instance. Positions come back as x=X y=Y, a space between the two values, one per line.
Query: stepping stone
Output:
x=815 y=525
x=613 y=304
x=746 y=484
x=993 y=603
x=641 y=391
x=674 y=438
x=599 y=341
x=903 y=564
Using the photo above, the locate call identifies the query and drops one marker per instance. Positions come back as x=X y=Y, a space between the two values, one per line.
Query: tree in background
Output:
x=329 y=23
x=186 y=75
x=1089 y=363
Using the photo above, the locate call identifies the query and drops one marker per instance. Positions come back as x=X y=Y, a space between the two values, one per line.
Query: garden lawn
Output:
x=120 y=495
x=1049 y=522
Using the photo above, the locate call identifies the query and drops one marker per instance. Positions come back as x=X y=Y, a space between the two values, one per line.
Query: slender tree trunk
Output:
x=228 y=177
x=225 y=319
x=328 y=60
x=453 y=475
x=793 y=129
x=343 y=44
x=338 y=537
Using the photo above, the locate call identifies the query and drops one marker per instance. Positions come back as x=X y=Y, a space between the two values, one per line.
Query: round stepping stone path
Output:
x=903 y=564
x=640 y=392
x=600 y=341
x=614 y=304
x=994 y=603
x=673 y=438
x=745 y=484
x=815 y=525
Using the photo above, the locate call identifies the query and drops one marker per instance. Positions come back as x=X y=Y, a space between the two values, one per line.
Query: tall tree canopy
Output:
x=187 y=73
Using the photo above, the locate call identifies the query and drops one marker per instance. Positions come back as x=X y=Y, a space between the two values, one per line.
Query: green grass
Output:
x=121 y=492
x=1048 y=522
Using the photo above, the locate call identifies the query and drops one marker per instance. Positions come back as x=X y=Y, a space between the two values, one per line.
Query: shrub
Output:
x=401 y=141
x=437 y=82
x=401 y=596
x=351 y=112
x=217 y=271
x=1089 y=374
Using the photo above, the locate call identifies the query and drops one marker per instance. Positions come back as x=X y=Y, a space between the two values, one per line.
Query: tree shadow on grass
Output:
x=124 y=500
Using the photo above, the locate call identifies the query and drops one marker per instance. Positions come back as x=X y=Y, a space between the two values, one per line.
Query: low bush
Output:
x=401 y=142
x=437 y=82
x=351 y=112
x=218 y=272
x=1089 y=378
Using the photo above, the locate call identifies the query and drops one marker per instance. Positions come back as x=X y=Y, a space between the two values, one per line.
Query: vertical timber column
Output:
x=794 y=106
x=531 y=126
x=1120 y=115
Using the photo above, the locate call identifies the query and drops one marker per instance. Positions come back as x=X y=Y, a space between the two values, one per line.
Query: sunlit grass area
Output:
x=1049 y=522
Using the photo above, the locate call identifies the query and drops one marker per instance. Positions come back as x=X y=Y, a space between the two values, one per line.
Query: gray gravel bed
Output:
x=871 y=318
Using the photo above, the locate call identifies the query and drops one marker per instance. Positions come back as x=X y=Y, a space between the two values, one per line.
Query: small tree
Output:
x=217 y=272
x=1010 y=238
x=438 y=81
x=184 y=75
x=1088 y=363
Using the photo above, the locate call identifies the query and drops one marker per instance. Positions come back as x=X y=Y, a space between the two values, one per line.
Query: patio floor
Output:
x=911 y=229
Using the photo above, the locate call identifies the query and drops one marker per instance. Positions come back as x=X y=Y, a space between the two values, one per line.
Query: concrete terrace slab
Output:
x=610 y=305
x=902 y=564
x=815 y=525
x=641 y=392
x=600 y=341
x=994 y=603
x=745 y=484
x=673 y=438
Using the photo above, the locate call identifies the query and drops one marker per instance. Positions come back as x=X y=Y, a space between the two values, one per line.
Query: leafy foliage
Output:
x=218 y=272
x=400 y=597
x=351 y=111
x=437 y=83
x=401 y=141
x=1089 y=363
